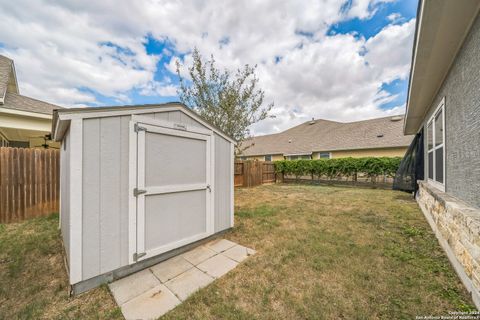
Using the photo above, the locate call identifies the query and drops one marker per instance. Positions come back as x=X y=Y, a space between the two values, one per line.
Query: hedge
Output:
x=372 y=167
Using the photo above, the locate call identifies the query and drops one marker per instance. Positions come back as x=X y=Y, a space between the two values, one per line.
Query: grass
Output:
x=328 y=253
x=33 y=280
x=322 y=253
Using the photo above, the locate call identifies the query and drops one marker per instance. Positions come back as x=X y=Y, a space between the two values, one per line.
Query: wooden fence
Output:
x=254 y=173
x=29 y=183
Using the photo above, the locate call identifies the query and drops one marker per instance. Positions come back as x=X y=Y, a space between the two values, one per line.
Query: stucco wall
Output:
x=385 y=152
x=275 y=157
x=462 y=121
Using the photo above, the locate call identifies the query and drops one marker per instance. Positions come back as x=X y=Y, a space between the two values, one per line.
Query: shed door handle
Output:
x=208 y=187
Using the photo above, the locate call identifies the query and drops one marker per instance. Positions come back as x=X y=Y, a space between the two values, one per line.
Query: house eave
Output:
x=441 y=29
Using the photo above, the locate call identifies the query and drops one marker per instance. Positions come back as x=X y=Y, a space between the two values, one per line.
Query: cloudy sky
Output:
x=339 y=60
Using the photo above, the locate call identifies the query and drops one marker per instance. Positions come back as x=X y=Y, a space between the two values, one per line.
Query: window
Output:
x=324 y=155
x=268 y=157
x=298 y=157
x=435 y=147
x=19 y=144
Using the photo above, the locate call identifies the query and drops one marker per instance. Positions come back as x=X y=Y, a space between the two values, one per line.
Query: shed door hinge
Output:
x=138 y=128
x=137 y=192
x=137 y=256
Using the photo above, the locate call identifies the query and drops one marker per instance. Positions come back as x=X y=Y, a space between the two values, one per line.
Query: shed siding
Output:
x=65 y=193
x=223 y=183
x=462 y=121
x=105 y=189
x=175 y=116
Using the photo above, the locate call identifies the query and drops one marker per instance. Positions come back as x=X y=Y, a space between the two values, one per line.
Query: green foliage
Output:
x=230 y=101
x=340 y=167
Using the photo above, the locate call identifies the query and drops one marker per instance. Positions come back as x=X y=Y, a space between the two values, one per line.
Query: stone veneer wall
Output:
x=457 y=227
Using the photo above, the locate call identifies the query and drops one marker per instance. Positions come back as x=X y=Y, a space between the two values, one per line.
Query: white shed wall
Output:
x=105 y=189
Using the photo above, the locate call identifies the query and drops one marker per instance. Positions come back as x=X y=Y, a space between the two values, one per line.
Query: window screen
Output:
x=435 y=146
x=324 y=155
x=268 y=158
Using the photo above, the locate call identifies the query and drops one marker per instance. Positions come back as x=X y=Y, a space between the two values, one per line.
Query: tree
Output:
x=231 y=102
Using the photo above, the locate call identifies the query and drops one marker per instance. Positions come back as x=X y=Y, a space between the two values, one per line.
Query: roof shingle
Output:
x=5 y=70
x=325 y=135
x=16 y=101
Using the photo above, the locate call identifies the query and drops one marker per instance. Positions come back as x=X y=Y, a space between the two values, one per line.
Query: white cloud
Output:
x=65 y=50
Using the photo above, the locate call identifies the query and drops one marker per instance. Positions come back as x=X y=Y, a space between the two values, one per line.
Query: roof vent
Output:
x=380 y=135
x=396 y=118
x=312 y=122
x=289 y=140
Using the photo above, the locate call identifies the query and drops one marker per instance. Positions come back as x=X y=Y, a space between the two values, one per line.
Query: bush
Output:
x=340 y=167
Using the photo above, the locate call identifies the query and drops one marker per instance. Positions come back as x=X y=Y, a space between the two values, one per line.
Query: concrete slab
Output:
x=151 y=293
x=133 y=285
x=217 y=266
x=220 y=245
x=188 y=282
x=237 y=253
x=151 y=304
x=199 y=254
x=171 y=268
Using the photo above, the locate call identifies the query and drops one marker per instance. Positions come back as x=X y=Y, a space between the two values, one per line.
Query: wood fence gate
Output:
x=254 y=173
x=29 y=183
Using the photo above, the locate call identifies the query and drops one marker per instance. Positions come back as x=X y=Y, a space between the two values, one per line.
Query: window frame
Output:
x=320 y=155
x=268 y=155
x=431 y=120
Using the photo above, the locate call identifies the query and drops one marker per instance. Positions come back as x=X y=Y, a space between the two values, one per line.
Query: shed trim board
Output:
x=76 y=210
x=232 y=184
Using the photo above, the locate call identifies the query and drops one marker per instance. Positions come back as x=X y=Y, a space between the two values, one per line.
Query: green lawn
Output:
x=322 y=252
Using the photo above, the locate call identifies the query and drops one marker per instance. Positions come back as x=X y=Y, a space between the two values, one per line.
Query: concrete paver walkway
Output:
x=152 y=292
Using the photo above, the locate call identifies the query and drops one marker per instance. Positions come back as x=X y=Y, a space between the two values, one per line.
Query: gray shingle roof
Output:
x=5 y=70
x=325 y=135
x=15 y=101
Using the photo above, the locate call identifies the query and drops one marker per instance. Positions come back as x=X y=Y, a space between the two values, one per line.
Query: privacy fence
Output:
x=254 y=173
x=369 y=171
x=29 y=183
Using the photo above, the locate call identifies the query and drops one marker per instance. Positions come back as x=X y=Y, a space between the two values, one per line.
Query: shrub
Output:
x=340 y=167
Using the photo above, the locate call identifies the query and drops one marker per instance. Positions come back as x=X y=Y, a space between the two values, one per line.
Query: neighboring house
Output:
x=315 y=139
x=443 y=109
x=24 y=121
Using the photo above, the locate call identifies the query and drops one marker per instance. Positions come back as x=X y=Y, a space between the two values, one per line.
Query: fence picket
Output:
x=29 y=184
x=254 y=173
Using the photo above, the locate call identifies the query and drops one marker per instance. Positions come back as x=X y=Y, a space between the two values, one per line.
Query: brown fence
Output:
x=254 y=173
x=29 y=183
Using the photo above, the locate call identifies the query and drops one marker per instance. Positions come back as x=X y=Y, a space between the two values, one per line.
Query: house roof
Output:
x=18 y=102
x=325 y=135
x=442 y=26
x=7 y=72
x=10 y=97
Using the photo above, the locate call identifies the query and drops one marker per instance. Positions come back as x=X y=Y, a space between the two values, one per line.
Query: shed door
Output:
x=174 y=176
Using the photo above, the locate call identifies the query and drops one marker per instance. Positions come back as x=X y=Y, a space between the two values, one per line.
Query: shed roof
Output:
x=63 y=116
x=326 y=135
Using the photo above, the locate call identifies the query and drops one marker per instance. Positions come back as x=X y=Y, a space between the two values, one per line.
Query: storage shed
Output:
x=139 y=184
